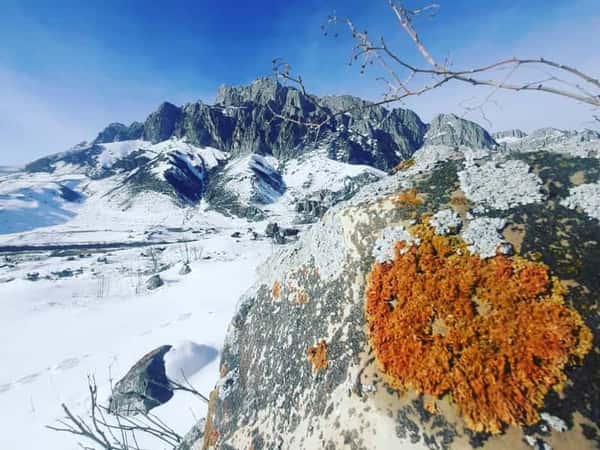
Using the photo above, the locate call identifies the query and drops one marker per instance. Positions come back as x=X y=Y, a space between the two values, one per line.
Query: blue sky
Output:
x=68 y=68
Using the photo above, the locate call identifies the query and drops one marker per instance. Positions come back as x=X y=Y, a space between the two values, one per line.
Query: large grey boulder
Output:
x=185 y=269
x=154 y=282
x=297 y=367
x=144 y=387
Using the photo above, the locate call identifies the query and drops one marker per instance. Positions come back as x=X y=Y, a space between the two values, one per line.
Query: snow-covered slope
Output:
x=91 y=314
x=92 y=184
x=29 y=201
x=254 y=179
x=260 y=187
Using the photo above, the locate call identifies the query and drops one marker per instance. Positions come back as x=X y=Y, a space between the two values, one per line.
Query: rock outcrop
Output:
x=144 y=387
x=298 y=367
x=509 y=135
x=451 y=130
x=116 y=132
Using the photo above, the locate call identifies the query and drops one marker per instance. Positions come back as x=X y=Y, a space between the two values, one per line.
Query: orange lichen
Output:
x=408 y=198
x=276 y=290
x=495 y=334
x=317 y=356
x=301 y=297
x=211 y=434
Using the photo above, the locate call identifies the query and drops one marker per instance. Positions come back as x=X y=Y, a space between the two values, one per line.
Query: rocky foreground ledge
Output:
x=299 y=368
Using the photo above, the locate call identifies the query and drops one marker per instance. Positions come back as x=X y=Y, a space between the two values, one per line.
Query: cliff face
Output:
x=299 y=369
x=248 y=119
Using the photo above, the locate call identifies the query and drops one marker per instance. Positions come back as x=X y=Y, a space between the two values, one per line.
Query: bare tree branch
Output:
x=102 y=425
x=406 y=79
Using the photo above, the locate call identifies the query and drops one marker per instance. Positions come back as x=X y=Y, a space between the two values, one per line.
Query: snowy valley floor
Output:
x=101 y=320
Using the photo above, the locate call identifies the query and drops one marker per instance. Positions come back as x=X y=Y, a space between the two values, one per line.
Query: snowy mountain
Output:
x=146 y=238
x=234 y=156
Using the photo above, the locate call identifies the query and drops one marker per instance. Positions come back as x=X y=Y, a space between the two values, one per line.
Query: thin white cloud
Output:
x=29 y=125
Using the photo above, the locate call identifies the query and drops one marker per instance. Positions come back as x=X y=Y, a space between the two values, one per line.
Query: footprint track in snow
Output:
x=67 y=364
x=5 y=388
x=28 y=378
x=184 y=317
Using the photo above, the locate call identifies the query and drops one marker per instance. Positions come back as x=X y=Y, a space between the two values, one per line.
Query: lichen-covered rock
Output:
x=194 y=438
x=298 y=370
x=484 y=238
x=446 y=221
x=501 y=186
x=586 y=197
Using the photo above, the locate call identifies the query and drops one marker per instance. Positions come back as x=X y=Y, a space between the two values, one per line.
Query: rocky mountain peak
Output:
x=514 y=133
x=116 y=132
x=161 y=124
x=454 y=131
x=260 y=91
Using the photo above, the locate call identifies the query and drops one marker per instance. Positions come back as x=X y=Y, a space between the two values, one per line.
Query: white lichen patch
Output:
x=383 y=250
x=586 y=197
x=536 y=443
x=484 y=238
x=501 y=185
x=556 y=423
x=445 y=222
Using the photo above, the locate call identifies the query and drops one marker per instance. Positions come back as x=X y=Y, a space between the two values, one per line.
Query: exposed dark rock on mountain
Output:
x=117 y=132
x=449 y=129
x=246 y=120
x=242 y=121
x=154 y=282
x=82 y=154
x=516 y=133
x=163 y=123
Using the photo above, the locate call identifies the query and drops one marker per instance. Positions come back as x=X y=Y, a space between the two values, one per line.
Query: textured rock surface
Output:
x=154 y=282
x=500 y=186
x=586 y=197
x=451 y=130
x=582 y=143
x=509 y=135
x=271 y=397
x=193 y=438
x=242 y=121
x=144 y=387
x=116 y=132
